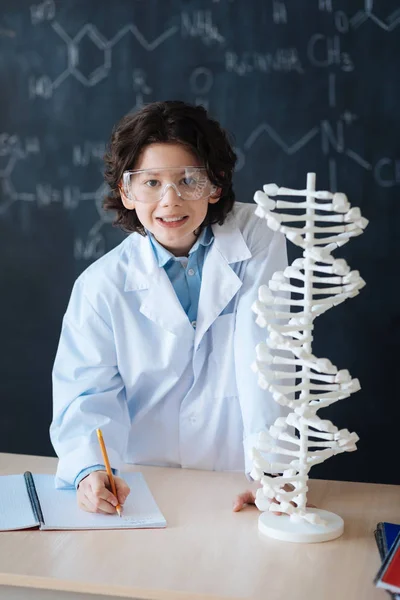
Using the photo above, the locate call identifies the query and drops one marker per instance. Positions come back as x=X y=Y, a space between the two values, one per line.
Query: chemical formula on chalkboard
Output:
x=231 y=58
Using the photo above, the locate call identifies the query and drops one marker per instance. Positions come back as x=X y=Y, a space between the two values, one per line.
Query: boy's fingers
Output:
x=94 y=495
x=247 y=497
x=86 y=505
x=84 y=502
x=102 y=482
x=98 y=494
x=123 y=489
x=99 y=490
x=94 y=504
x=102 y=505
x=275 y=501
x=288 y=487
x=237 y=505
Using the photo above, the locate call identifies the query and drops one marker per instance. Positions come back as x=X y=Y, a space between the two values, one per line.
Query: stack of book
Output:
x=387 y=536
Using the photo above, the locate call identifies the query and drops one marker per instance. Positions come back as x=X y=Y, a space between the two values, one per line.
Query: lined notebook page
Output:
x=15 y=507
x=60 y=509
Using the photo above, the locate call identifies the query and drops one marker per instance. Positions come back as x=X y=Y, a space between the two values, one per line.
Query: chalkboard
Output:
x=302 y=86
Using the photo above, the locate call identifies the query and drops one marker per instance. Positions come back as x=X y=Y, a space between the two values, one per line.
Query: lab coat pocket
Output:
x=221 y=360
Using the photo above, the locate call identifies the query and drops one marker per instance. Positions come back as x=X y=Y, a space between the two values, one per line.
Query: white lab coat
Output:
x=163 y=392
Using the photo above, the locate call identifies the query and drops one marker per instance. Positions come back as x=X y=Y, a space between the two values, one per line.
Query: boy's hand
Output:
x=94 y=495
x=249 y=497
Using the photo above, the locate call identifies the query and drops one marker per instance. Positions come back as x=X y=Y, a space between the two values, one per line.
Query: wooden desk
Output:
x=207 y=551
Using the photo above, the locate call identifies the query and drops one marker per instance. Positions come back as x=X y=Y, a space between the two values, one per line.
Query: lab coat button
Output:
x=194 y=323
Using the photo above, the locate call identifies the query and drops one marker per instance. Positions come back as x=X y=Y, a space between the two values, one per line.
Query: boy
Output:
x=158 y=337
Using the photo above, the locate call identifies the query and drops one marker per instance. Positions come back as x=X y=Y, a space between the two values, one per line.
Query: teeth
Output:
x=172 y=219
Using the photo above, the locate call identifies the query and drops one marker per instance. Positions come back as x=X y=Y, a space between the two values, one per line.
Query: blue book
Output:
x=385 y=536
x=391 y=531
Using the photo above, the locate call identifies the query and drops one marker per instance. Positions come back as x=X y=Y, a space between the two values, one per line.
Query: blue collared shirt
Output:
x=184 y=273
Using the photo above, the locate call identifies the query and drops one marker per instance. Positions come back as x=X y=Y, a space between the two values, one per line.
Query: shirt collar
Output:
x=163 y=256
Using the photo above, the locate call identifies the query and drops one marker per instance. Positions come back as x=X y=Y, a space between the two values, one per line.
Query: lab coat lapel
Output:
x=160 y=303
x=162 y=306
x=219 y=281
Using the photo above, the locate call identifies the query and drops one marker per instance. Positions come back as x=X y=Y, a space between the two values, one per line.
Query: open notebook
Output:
x=32 y=501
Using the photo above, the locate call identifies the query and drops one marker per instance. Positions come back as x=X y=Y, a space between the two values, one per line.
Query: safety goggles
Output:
x=151 y=185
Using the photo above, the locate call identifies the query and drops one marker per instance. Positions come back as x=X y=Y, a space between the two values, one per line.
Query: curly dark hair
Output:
x=171 y=121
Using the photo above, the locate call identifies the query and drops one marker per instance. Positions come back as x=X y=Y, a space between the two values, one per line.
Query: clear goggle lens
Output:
x=150 y=185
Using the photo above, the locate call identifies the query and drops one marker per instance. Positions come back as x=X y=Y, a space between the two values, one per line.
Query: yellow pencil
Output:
x=108 y=468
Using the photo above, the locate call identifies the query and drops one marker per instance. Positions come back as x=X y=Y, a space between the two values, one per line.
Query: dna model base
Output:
x=282 y=527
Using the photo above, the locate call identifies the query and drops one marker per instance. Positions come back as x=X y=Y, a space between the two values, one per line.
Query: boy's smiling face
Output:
x=177 y=236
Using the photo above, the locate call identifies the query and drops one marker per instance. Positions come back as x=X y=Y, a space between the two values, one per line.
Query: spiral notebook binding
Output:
x=33 y=497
